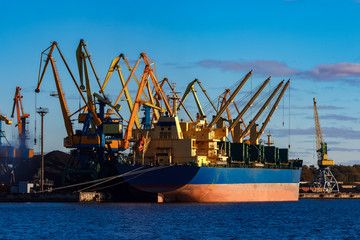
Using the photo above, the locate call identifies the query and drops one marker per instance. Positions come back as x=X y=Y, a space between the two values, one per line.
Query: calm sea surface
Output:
x=306 y=219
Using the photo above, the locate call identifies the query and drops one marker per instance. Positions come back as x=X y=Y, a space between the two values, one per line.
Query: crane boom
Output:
x=207 y=96
x=267 y=120
x=221 y=110
x=80 y=56
x=223 y=101
x=82 y=66
x=319 y=136
x=186 y=93
x=116 y=66
x=64 y=108
x=247 y=106
x=62 y=100
x=253 y=121
x=191 y=88
x=321 y=146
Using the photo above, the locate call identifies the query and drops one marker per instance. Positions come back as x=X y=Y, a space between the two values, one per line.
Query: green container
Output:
x=239 y=152
x=270 y=154
x=284 y=155
x=255 y=152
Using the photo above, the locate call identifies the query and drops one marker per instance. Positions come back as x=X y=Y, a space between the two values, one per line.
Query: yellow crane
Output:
x=115 y=65
x=249 y=104
x=82 y=56
x=224 y=107
x=323 y=180
x=190 y=88
x=321 y=146
x=255 y=139
x=71 y=139
x=149 y=75
x=253 y=121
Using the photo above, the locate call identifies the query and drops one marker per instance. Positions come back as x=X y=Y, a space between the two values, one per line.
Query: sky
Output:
x=313 y=43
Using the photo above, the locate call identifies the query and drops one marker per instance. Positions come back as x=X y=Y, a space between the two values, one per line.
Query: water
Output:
x=306 y=219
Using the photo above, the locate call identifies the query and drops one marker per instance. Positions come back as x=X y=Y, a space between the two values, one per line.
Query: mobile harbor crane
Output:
x=97 y=144
x=323 y=180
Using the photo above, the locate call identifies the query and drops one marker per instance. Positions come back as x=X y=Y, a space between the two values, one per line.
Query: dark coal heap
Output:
x=26 y=168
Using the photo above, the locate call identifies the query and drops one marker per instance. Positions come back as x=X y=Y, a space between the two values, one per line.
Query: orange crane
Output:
x=23 y=151
x=148 y=74
x=21 y=116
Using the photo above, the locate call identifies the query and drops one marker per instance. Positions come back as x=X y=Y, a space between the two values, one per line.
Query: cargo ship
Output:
x=188 y=162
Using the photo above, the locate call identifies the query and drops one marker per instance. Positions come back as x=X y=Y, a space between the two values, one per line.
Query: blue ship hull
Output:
x=215 y=184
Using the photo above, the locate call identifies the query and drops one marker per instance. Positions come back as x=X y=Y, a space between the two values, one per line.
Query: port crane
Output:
x=98 y=142
x=23 y=150
x=148 y=103
x=154 y=99
x=323 y=179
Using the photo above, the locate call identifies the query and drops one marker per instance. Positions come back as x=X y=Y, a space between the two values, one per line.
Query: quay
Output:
x=55 y=197
x=329 y=195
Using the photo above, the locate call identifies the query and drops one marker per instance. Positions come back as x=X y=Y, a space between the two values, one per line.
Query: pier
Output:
x=329 y=196
x=55 y=197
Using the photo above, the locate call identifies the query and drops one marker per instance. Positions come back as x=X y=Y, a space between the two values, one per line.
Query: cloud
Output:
x=328 y=132
x=340 y=72
x=348 y=72
x=325 y=107
x=338 y=117
x=262 y=67
x=179 y=66
x=341 y=133
x=339 y=149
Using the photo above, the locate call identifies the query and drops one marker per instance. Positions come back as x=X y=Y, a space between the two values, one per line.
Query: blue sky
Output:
x=315 y=43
